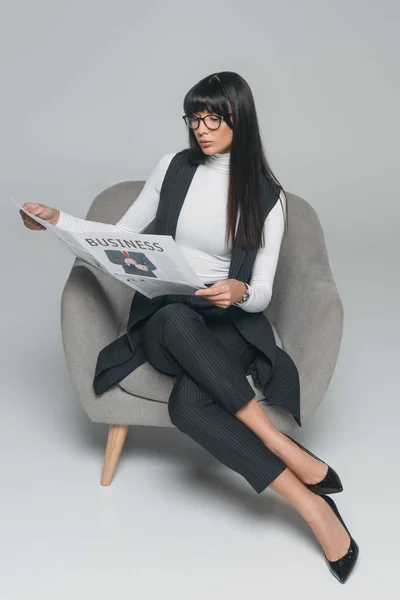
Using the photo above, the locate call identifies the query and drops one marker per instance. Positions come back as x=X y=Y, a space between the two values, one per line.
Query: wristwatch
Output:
x=246 y=295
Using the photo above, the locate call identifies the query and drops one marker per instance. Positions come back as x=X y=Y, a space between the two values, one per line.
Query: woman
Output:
x=224 y=139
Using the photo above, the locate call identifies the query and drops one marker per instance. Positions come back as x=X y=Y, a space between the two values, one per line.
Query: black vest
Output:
x=272 y=370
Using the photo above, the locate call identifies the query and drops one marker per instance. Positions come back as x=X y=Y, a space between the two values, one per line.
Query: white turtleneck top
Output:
x=200 y=232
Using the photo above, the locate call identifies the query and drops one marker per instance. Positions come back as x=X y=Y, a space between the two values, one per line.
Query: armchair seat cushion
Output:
x=150 y=384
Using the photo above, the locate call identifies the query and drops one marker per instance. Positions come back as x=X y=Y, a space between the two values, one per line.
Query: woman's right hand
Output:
x=46 y=213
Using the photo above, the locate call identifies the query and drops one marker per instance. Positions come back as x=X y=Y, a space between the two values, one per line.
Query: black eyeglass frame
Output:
x=219 y=117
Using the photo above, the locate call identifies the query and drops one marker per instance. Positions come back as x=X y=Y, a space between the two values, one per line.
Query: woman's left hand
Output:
x=223 y=293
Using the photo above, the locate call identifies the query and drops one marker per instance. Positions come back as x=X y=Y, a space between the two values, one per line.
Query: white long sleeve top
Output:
x=200 y=232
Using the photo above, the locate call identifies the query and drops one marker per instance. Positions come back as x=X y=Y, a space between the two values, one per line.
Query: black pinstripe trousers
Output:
x=209 y=357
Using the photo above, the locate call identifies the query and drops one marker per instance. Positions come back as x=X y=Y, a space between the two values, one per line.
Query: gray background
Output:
x=91 y=95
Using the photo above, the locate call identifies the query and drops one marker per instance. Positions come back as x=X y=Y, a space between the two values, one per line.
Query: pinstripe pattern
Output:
x=209 y=357
x=272 y=369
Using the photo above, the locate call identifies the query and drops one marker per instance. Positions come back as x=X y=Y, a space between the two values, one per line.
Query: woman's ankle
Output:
x=312 y=511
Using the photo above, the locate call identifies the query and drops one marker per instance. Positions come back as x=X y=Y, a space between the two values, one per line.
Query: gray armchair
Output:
x=305 y=311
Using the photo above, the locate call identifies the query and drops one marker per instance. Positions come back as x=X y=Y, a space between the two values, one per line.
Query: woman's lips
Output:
x=205 y=143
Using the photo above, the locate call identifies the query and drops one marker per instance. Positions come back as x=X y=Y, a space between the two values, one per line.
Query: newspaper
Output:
x=151 y=264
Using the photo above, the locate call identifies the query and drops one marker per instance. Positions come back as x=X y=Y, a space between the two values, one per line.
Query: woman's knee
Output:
x=176 y=318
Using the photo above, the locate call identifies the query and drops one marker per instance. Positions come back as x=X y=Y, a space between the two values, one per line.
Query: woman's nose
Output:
x=202 y=127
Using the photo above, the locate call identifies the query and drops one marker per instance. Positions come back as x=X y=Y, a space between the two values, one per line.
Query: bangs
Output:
x=206 y=96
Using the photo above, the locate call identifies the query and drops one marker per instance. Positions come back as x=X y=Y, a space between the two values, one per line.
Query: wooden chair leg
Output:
x=115 y=443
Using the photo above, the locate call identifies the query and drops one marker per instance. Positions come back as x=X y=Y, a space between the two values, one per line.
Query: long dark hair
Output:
x=223 y=93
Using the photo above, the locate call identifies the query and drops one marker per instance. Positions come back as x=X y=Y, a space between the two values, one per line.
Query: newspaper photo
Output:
x=151 y=264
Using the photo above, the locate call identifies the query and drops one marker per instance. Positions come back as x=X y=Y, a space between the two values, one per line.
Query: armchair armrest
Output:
x=306 y=307
x=89 y=321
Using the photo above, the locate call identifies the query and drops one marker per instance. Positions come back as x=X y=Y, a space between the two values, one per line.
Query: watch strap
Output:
x=246 y=295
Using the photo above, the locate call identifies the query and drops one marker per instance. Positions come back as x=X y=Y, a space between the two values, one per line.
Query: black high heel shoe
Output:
x=330 y=484
x=342 y=568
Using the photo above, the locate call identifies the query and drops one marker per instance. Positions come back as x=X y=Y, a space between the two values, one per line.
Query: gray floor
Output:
x=175 y=523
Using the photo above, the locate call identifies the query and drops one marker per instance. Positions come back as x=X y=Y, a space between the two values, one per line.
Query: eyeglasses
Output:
x=210 y=121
